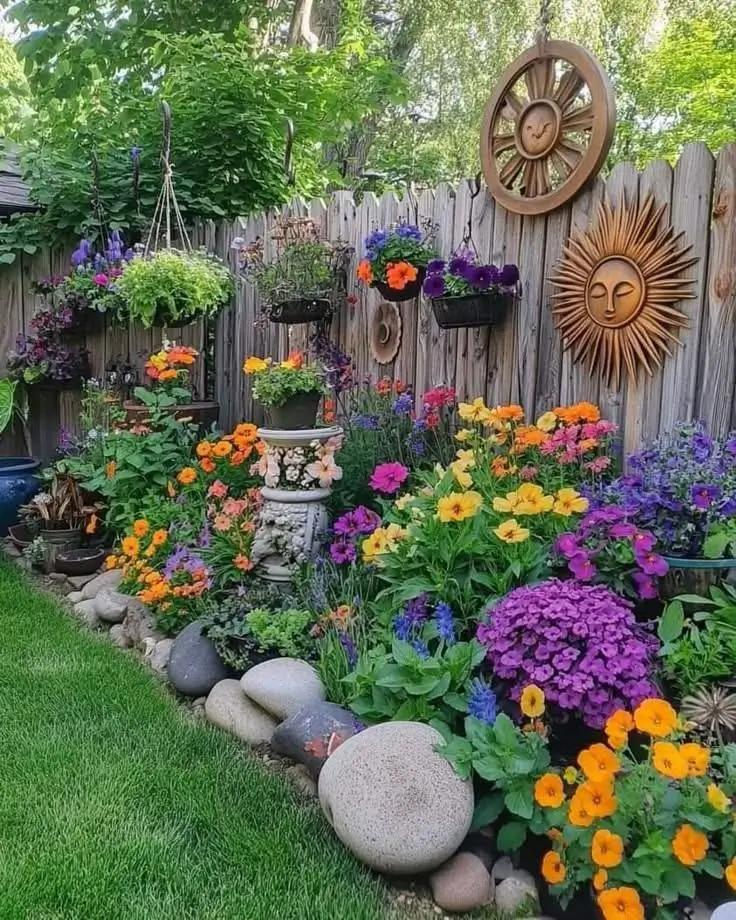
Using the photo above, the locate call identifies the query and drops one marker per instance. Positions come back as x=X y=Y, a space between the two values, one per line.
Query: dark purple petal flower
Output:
x=436 y=266
x=483 y=278
x=434 y=286
x=509 y=275
x=458 y=266
x=645 y=584
x=651 y=564
x=704 y=495
x=342 y=552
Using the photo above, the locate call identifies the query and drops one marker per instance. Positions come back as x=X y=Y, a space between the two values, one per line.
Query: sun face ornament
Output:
x=618 y=283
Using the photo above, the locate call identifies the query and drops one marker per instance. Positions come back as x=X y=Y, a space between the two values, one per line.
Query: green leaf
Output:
x=487 y=810
x=505 y=731
x=671 y=622
x=511 y=836
x=520 y=801
x=7 y=401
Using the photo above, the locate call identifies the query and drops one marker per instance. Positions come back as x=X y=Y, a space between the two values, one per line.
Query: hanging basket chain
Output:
x=97 y=208
x=475 y=189
x=167 y=205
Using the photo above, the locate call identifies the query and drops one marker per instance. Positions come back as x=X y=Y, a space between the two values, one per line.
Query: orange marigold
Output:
x=204 y=449
x=656 y=718
x=222 y=449
x=598 y=762
x=689 y=845
x=549 y=791
x=141 y=527
x=621 y=904
x=553 y=869
x=187 y=476
x=131 y=547
x=159 y=537
x=606 y=849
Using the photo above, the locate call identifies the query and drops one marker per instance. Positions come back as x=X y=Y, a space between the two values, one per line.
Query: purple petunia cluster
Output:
x=679 y=487
x=464 y=274
x=348 y=529
x=580 y=643
x=606 y=548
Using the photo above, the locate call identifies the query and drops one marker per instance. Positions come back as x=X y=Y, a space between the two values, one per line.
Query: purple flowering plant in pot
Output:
x=608 y=549
x=682 y=489
x=466 y=293
x=420 y=672
x=579 y=643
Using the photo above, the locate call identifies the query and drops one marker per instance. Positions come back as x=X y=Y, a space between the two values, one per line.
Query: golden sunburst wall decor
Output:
x=618 y=284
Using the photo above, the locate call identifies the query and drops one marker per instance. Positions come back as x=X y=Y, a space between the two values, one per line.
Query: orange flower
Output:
x=579 y=412
x=667 y=760
x=689 y=845
x=621 y=904
x=207 y=465
x=553 y=869
x=365 y=271
x=131 y=546
x=730 y=874
x=606 y=849
x=598 y=762
x=598 y=798
x=578 y=815
x=549 y=791
x=187 y=476
x=500 y=467
x=222 y=449
x=587 y=444
x=159 y=537
x=511 y=413
x=600 y=879
x=618 y=727
x=168 y=374
x=399 y=274
x=697 y=758
x=655 y=717
x=110 y=469
x=528 y=436
x=111 y=561
x=141 y=527
x=204 y=449
x=246 y=430
x=91 y=524
x=242 y=562
x=295 y=360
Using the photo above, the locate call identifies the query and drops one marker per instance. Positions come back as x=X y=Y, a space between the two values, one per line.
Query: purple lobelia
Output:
x=580 y=643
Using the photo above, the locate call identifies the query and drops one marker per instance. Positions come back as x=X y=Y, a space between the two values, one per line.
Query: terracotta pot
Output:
x=412 y=290
x=203 y=414
x=304 y=310
x=297 y=413
x=471 y=311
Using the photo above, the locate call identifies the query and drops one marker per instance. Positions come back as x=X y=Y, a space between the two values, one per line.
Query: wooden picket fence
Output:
x=521 y=361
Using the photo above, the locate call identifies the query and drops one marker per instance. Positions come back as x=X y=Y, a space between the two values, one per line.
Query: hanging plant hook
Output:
x=475 y=187
x=289 y=170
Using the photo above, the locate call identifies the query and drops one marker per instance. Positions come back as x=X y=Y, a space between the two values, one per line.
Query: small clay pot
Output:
x=83 y=561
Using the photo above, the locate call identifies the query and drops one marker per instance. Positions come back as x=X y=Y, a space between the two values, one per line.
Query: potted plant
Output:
x=18 y=475
x=396 y=260
x=466 y=293
x=173 y=288
x=300 y=285
x=290 y=390
x=682 y=488
x=90 y=290
x=169 y=371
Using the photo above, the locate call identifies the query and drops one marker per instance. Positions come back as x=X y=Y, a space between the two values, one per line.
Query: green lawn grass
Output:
x=115 y=805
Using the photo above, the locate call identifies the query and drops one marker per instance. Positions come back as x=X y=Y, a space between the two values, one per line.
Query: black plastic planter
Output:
x=471 y=310
x=304 y=310
x=392 y=295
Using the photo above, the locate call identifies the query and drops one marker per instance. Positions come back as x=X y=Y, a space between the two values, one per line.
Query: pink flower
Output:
x=234 y=507
x=101 y=279
x=599 y=465
x=324 y=470
x=217 y=489
x=528 y=472
x=388 y=477
x=223 y=523
x=582 y=568
x=438 y=397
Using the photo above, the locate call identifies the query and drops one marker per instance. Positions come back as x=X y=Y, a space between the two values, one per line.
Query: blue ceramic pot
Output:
x=18 y=484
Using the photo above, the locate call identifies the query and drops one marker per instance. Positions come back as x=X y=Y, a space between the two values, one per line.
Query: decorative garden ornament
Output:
x=618 y=284
x=385 y=333
x=548 y=125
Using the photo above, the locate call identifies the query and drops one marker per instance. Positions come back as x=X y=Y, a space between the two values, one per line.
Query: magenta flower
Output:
x=651 y=563
x=342 y=552
x=623 y=531
x=101 y=279
x=388 y=478
x=567 y=545
x=704 y=495
x=582 y=568
x=643 y=541
x=645 y=585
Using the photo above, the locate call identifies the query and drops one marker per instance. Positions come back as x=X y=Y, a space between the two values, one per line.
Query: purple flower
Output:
x=342 y=552
x=645 y=585
x=351 y=652
x=402 y=627
x=509 y=275
x=483 y=278
x=409 y=232
x=346 y=525
x=434 y=286
x=404 y=404
x=458 y=266
x=435 y=266
x=365 y=520
x=366 y=422
x=417 y=609
x=445 y=622
x=622 y=531
x=376 y=241
x=651 y=564
x=703 y=495
x=482 y=704
x=582 y=568
x=567 y=545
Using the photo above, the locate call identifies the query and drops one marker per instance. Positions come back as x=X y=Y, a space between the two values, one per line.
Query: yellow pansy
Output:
x=718 y=799
x=506 y=505
x=511 y=532
x=374 y=545
x=476 y=411
x=254 y=365
x=462 y=476
x=569 y=502
x=458 y=506
x=532 y=500
x=547 y=422
x=463 y=435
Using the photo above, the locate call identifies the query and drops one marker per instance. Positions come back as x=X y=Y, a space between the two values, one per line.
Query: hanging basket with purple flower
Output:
x=466 y=293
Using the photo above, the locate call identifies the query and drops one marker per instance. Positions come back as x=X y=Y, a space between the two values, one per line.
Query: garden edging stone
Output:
x=194 y=666
x=229 y=708
x=93 y=587
x=283 y=686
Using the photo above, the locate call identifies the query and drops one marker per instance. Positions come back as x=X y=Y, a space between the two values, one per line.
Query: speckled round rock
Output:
x=230 y=709
x=394 y=801
x=282 y=686
x=462 y=884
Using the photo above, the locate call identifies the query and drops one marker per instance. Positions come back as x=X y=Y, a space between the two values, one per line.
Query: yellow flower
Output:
x=374 y=545
x=730 y=874
x=511 y=532
x=462 y=476
x=467 y=457
x=718 y=799
x=547 y=421
x=570 y=502
x=532 y=701
x=474 y=412
x=463 y=435
x=111 y=561
x=600 y=879
x=131 y=546
x=457 y=506
x=393 y=533
x=667 y=760
x=254 y=365
x=159 y=537
x=697 y=758
x=570 y=775
x=110 y=469
x=532 y=500
x=140 y=528
x=506 y=505
x=402 y=502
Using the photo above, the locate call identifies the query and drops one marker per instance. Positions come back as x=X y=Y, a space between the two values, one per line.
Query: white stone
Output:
x=517 y=891
x=158 y=656
x=74 y=597
x=117 y=635
x=86 y=612
x=724 y=912
x=110 y=605
x=395 y=802
x=110 y=579
x=229 y=708
x=282 y=686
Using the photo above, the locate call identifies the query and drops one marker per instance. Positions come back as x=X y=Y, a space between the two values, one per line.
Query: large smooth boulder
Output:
x=110 y=605
x=283 y=686
x=229 y=708
x=462 y=884
x=315 y=732
x=194 y=666
x=394 y=801
x=110 y=579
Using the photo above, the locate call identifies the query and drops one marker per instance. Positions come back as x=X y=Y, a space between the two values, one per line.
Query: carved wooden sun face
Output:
x=618 y=284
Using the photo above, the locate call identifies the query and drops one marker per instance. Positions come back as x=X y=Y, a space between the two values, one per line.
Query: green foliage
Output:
x=721 y=540
x=301 y=271
x=172 y=288
x=14 y=102
x=8 y=388
x=274 y=385
x=284 y=631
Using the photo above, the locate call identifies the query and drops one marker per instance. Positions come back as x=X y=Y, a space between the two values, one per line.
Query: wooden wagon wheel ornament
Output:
x=385 y=334
x=547 y=128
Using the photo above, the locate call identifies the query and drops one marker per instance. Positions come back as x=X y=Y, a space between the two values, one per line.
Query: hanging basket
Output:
x=392 y=295
x=471 y=310
x=300 y=311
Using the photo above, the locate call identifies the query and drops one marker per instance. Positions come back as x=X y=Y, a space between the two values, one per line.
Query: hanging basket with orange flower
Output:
x=396 y=259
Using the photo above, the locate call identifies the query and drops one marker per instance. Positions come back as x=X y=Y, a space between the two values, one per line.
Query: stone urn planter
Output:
x=293 y=521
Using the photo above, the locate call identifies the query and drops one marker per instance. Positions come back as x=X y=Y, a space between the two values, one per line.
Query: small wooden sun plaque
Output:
x=618 y=284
